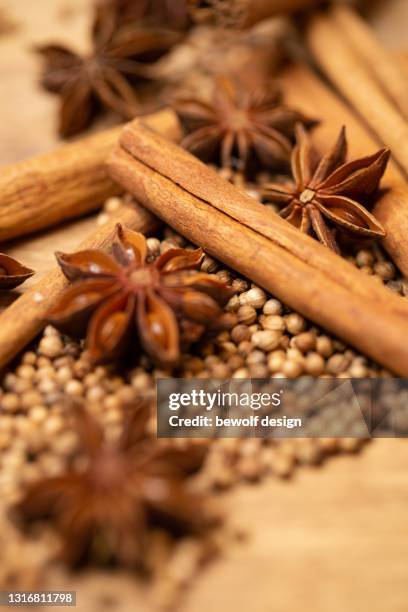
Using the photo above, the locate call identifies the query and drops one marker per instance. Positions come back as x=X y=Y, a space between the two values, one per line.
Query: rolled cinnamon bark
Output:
x=185 y=170
x=245 y=236
x=347 y=68
x=378 y=60
x=25 y=318
x=65 y=183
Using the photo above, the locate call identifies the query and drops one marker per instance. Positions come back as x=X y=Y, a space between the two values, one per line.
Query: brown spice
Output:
x=240 y=125
x=172 y=188
x=166 y=298
x=12 y=273
x=303 y=87
x=132 y=468
x=104 y=79
x=326 y=193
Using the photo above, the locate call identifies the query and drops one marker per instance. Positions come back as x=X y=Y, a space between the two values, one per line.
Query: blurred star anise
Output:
x=12 y=273
x=328 y=191
x=124 y=294
x=239 y=125
x=104 y=509
x=173 y=14
x=105 y=78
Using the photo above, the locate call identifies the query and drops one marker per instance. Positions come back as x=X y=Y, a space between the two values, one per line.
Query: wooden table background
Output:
x=334 y=538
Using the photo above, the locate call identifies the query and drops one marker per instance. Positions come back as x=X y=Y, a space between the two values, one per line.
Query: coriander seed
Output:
x=240 y=285
x=255 y=297
x=292 y=369
x=233 y=304
x=305 y=341
x=239 y=333
x=113 y=204
x=266 y=340
x=241 y=373
x=324 y=346
x=314 y=364
x=272 y=307
x=364 y=258
x=273 y=323
x=276 y=361
x=385 y=270
x=51 y=346
x=74 y=387
x=295 y=324
x=337 y=363
x=256 y=357
x=209 y=265
x=246 y=314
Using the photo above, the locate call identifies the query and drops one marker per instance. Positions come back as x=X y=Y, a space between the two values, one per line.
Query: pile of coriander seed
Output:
x=269 y=340
x=37 y=434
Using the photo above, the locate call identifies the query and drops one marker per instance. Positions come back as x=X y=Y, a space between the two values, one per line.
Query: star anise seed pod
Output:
x=173 y=14
x=12 y=273
x=103 y=510
x=105 y=78
x=329 y=192
x=123 y=294
x=239 y=125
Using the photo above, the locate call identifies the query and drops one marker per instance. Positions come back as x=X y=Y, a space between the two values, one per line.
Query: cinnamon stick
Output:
x=246 y=13
x=183 y=169
x=65 y=183
x=379 y=61
x=25 y=318
x=256 y=242
x=346 y=67
x=303 y=88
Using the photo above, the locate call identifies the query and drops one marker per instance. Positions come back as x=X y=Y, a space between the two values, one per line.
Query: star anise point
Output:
x=12 y=272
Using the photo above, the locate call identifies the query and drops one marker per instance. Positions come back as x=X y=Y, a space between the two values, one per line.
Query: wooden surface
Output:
x=333 y=539
x=27 y=114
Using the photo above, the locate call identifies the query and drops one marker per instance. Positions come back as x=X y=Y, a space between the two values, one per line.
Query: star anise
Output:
x=123 y=294
x=104 y=509
x=105 y=78
x=173 y=14
x=12 y=273
x=239 y=125
x=329 y=193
